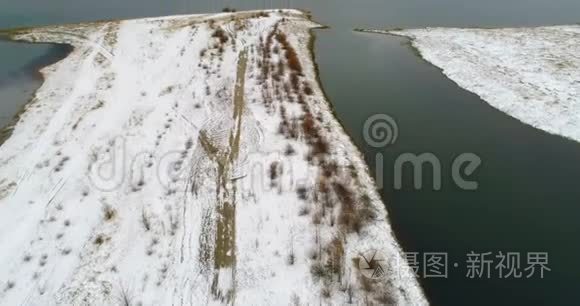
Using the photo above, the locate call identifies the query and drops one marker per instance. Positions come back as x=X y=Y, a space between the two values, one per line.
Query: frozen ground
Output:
x=189 y=160
x=532 y=74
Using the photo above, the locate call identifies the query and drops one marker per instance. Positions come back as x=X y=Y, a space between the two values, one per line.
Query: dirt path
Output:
x=225 y=238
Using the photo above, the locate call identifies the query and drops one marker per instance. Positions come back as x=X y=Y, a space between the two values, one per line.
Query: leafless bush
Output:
x=367 y=284
x=99 y=240
x=43 y=260
x=385 y=298
x=335 y=253
x=66 y=251
x=145 y=221
x=221 y=35
x=325 y=292
x=320 y=147
x=124 y=298
x=9 y=285
x=329 y=168
x=289 y=150
x=109 y=212
x=307 y=89
x=302 y=193
x=295 y=300
x=309 y=126
x=291 y=258
x=318 y=271
x=274 y=170
x=294 y=81
x=317 y=218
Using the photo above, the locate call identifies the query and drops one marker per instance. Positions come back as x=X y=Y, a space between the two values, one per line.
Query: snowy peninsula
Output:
x=190 y=160
x=532 y=74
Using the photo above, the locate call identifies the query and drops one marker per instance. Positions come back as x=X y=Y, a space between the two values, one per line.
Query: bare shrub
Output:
x=294 y=81
x=320 y=147
x=349 y=217
x=317 y=218
x=291 y=55
x=325 y=292
x=367 y=213
x=293 y=130
x=289 y=150
x=9 y=285
x=304 y=210
x=66 y=251
x=309 y=126
x=313 y=254
x=318 y=271
x=99 y=240
x=301 y=99
x=329 y=169
x=385 y=298
x=123 y=297
x=302 y=193
x=220 y=34
x=109 y=213
x=275 y=170
x=145 y=221
x=335 y=252
x=169 y=89
x=307 y=89
x=367 y=284
x=43 y=260
x=291 y=258
x=27 y=258
x=295 y=300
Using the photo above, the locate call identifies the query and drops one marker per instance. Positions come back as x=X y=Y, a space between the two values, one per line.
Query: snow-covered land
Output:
x=532 y=74
x=189 y=160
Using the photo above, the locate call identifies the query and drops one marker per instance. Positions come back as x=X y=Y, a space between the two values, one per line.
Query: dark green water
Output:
x=528 y=199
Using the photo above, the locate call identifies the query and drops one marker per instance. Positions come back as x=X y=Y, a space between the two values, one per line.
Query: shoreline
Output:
x=36 y=73
x=420 y=43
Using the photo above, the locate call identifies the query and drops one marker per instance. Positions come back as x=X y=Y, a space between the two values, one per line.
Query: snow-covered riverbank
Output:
x=189 y=160
x=532 y=74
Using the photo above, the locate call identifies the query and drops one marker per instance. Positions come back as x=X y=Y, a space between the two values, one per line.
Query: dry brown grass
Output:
x=309 y=126
x=335 y=251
